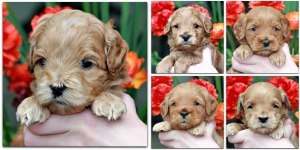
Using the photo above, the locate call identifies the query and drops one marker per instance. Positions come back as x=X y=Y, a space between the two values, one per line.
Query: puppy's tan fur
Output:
x=183 y=54
x=263 y=100
x=197 y=102
x=269 y=24
x=64 y=40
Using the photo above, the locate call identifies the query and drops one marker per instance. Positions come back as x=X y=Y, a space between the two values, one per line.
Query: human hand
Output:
x=260 y=64
x=86 y=129
x=205 y=66
x=183 y=139
x=249 y=139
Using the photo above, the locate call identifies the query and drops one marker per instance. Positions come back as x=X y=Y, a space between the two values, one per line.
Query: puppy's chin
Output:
x=62 y=108
x=264 y=51
x=182 y=125
x=187 y=46
x=263 y=130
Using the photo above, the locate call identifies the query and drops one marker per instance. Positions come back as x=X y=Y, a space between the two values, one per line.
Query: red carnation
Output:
x=275 y=4
x=293 y=18
x=219 y=117
x=217 y=33
x=230 y=80
x=202 y=9
x=159 y=21
x=208 y=86
x=158 y=94
x=4 y=10
x=290 y=87
x=233 y=10
x=155 y=80
x=232 y=95
x=159 y=6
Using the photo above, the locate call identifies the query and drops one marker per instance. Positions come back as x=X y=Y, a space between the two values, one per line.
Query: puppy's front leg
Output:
x=165 y=65
x=244 y=52
x=108 y=105
x=199 y=130
x=29 y=112
x=278 y=58
x=181 y=66
x=278 y=132
x=162 y=126
x=234 y=128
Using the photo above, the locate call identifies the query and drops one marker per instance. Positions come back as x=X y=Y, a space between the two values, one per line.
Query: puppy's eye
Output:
x=173 y=104
x=176 y=26
x=253 y=29
x=250 y=106
x=196 y=25
x=275 y=106
x=42 y=62
x=86 y=64
x=276 y=29
x=196 y=103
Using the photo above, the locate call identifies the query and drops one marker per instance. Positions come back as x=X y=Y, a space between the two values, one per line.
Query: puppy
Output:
x=77 y=61
x=264 y=110
x=262 y=31
x=188 y=33
x=187 y=107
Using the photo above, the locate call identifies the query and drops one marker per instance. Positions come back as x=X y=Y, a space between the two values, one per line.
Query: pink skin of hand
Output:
x=259 y=64
x=86 y=129
x=248 y=139
x=205 y=66
x=183 y=139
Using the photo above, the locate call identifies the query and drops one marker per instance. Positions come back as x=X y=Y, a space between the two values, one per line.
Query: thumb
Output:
x=210 y=128
x=286 y=49
x=288 y=128
x=207 y=53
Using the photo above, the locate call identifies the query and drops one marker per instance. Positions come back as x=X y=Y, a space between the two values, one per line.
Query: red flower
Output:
x=217 y=33
x=155 y=80
x=297 y=129
x=4 y=10
x=47 y=10
x=19 y=83
x=159 y=6
x=159 y=21
x=11 y=41
x=275 y=4
x=232 y=94
x=202 y=9
x=233 y=10
x=293 y=18
x=158 y=94
x=296 y=59
x=230 y=80
x=290 y=87
x=208 y=86
x=219 y=118
x=134 y=65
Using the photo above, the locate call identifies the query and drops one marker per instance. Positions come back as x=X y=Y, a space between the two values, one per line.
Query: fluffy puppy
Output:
x=188 y=33
x=77 y=61
x=187 y=107
x=264 y=109
x=262 y=31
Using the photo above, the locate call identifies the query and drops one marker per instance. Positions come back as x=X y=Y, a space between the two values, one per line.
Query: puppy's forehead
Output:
x=187 y=13
x=187 y=92
x=262 y=92
x=267 y=13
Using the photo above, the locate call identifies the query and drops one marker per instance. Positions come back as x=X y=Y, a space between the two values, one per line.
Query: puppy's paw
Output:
x=162 y=69
x=244 y=52
x=278 y=133
x=181 y=67
x=109 y=106
x=199 y=130
x=232 y=129
x=162 y=127
x=277 y=59
x=30 y=112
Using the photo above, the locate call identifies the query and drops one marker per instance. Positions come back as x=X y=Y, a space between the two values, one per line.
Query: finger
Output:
x=288 y=128
x=286 y=49
x=171 y=135
x=240 y=137
x=210 y=128
x=172 y=70
x=238 y=66
x=250 y=61
x=206 y=52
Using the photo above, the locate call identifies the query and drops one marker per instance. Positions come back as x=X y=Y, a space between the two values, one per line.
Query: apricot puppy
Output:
x=188 y=33
x=77 y=61
x=187 y=107
x=262 y=31
x=264 y=109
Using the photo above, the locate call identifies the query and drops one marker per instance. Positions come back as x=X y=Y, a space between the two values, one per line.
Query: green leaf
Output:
x=104 y=7
x=86 y=7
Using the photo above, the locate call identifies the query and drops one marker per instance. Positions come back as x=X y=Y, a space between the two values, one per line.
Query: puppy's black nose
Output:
x=183 y=114
x=185 y=37
x=57 y=90
x=263 y=119
x=266 y=43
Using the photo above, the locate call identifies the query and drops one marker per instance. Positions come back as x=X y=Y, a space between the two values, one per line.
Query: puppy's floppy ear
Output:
x=210 y=105
x=115 y=50
x=285 y=99
x=207 y=25
x=239 y=104
x=168 y=26
x=42 y=23
x=164 y=108
x=239 y=28
x=285 y=27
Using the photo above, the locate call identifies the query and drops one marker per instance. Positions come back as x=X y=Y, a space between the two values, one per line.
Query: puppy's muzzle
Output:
x=183 y=114
x=185 y=37
x=57 y=90
x=263 y=119
x=266 y=43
